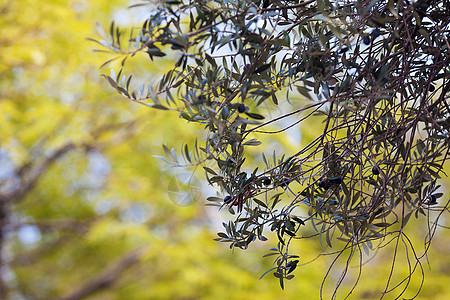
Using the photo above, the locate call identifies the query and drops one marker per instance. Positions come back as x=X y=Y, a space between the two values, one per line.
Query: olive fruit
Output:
x=433 y=200
x=227 y=199
x=343 y=50
x=267 y=181
x=241 y=108
x=366 y=40
x=335 y=180
x=376 y=33
x=284 y=182
x=324 y=183
x=375 y=170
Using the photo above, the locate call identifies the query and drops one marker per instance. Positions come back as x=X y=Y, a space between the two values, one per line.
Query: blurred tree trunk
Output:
x=3 y=217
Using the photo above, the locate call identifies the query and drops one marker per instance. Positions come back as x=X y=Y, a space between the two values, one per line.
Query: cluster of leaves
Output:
x=376 y=73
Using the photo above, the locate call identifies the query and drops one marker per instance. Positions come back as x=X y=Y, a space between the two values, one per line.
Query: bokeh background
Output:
x=87 y=211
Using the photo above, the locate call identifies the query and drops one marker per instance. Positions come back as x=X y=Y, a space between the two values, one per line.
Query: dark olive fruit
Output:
x=412 y=190
x=375 y=170
x=227 y=199
x=366 y=40
x=241 y=108
x=433 y=200
x=431 y=88
x=267 y=181
x=284 y=182
x=376 y=33
x=343 y=50
x=324 y=183
x=335 y=180
x=202 y=98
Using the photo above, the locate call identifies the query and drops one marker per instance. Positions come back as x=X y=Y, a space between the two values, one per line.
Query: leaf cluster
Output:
x=375 y=72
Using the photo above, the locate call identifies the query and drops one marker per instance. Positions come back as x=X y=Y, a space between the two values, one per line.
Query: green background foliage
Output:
x=106 y=211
